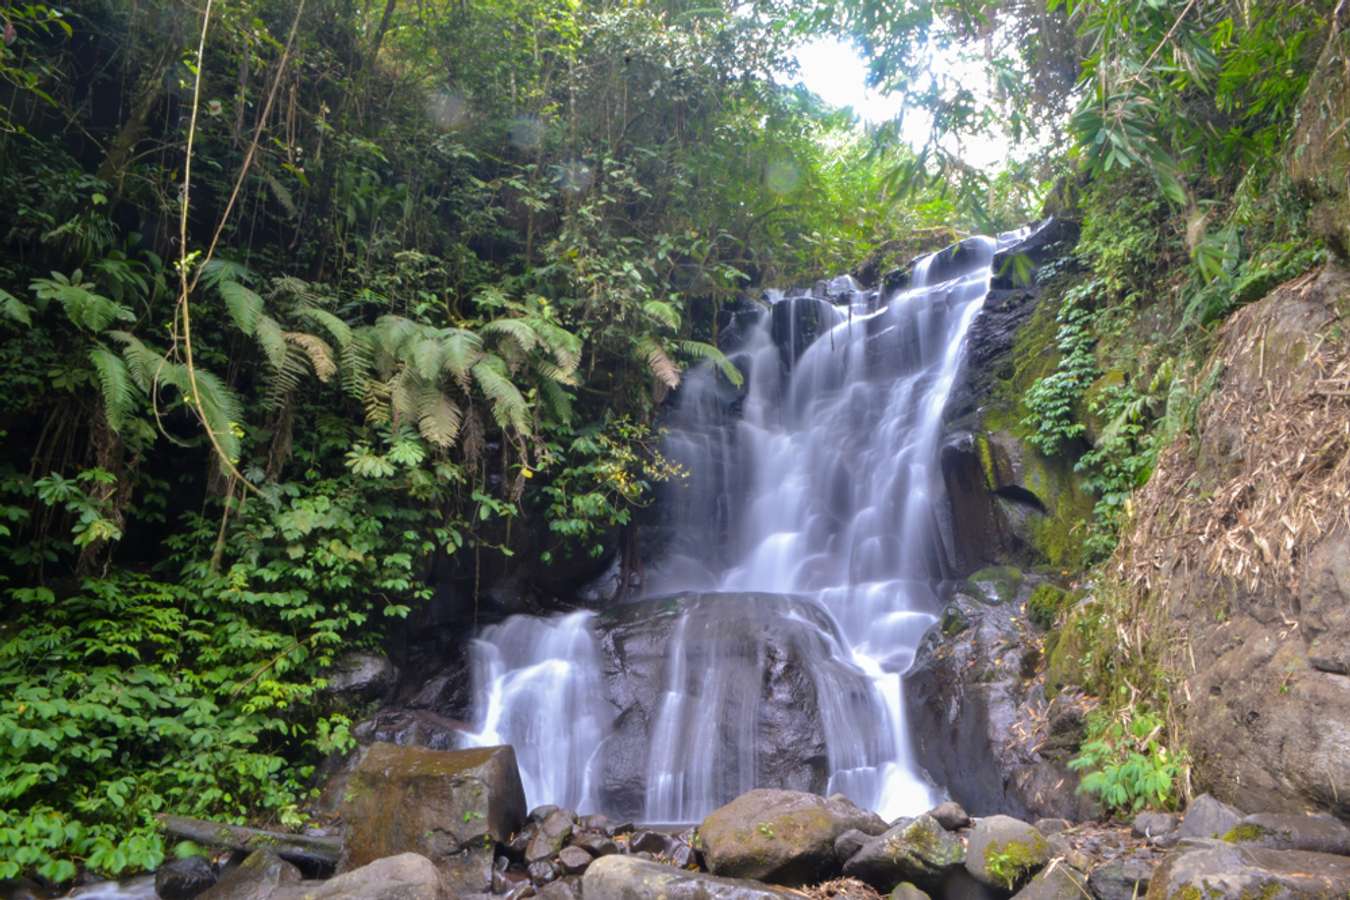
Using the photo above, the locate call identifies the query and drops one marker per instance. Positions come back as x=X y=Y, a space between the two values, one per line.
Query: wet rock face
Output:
x=967 y=699
x=363 y=677
x=184 y=879
x=441 y=804
x=768 y=699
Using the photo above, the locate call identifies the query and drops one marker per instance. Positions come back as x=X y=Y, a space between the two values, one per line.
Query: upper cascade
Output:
x=819 y=484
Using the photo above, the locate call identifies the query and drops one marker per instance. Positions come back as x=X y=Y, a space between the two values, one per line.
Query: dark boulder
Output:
x=1121 y=879
x=184 y=878
x=258 y=877
x=436 y=803
x=362 y=677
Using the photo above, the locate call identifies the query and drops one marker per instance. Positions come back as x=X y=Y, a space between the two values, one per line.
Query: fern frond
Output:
x=562 y=345
x=272 y=340
x=508 y=406
x=338 y=330
x=462 y=350
x=552 y=372
x=116 y=384
x=317 y=350
x=556 y=401
x=515 y=330
x=221 y=409
x=700 y=350
x=145 y=366
x=375 y=401
x=427 y=357
x=12 y=307
x=355 y=358
x=663 y=368
x=286 y=378
x=83 y=307
x=243 y=304
x=438 y=418
x=299 y=289
x=663 y=312
x=219 y=270
x=404 y=389
x=388 y=337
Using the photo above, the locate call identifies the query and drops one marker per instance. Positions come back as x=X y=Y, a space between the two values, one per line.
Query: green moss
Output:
x=1239 y=834
x=1045 y=605
x=997 y=584
x=1189 y=892
x=1014 y=861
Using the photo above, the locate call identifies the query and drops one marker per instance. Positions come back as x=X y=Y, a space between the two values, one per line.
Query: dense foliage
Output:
x=308 y=310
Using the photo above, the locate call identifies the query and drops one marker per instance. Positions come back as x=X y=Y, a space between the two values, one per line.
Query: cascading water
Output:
x=820 y=502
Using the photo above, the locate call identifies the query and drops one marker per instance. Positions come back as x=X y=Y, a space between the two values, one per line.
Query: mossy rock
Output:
x=1064 y=666
x=1005 y=852
x=997 y=584
x=1045 y=604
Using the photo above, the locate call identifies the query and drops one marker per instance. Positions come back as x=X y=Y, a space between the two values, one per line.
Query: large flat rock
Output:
x=628 y=878
x=437 y=803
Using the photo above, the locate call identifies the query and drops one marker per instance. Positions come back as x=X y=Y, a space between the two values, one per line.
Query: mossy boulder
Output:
x=1058 y=882
x=1005 y=852
x=1249 y=873
x=1282 y=831
x=921 y=851
x=997 y=584
x=784 y=837
x=1072 y=639
x=439 y=803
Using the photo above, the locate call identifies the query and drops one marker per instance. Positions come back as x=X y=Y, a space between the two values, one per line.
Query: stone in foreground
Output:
x=1005 y=852
x=258 y=877
x=185 y=878
x=1207 y=817
x=1056 y=881
x=407 y=876
x=1223 y=871
x=1277 y=831
x=627 y=878
x=921 y=852
x=437 y=803
x=784 y=837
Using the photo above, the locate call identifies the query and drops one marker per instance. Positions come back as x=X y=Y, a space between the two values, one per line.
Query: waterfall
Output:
x=819 y=487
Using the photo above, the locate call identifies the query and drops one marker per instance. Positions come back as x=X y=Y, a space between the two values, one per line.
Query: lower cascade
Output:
x=805 y=562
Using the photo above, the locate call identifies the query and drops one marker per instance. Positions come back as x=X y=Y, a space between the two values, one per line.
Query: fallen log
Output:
x=306 y=851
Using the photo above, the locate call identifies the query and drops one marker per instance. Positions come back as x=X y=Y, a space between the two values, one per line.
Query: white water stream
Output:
x=826 y=489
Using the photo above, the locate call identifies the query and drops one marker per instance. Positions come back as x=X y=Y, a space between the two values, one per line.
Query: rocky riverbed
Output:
x=423 y=824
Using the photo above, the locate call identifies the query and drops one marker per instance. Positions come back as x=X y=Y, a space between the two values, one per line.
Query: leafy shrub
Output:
x=201 y=694
x=1128 y=767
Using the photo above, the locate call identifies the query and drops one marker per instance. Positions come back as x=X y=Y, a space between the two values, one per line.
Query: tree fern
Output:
x=700 y=350
x=516 y=330
x=115 y=382
x=438 y=418
x=509 y=407
x=663 y=368
x=220 y=408
x=85 y=309
x=462 y=350
x=272 y=339
x=427 y=356
x=663 y=312
x=557 y=402
x=243 y=304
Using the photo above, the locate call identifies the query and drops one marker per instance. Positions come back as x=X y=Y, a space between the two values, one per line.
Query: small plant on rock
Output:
x=1128 y=767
